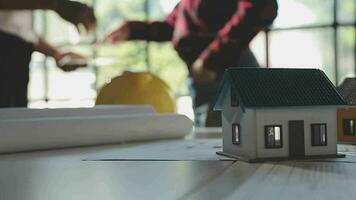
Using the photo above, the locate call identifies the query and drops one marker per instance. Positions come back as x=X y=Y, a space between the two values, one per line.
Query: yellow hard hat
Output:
x=138 y=88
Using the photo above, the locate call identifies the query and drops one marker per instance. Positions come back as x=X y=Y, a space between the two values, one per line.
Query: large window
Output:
x=315 y=34
x=273 y=136
x=318 y=135
x=50 y=87
x=311 y=34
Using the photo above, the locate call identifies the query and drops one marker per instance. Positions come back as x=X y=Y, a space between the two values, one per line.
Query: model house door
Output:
x=296 y=138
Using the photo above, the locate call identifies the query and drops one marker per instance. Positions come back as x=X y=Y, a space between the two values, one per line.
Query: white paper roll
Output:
x=24 y=113
x=59 y=132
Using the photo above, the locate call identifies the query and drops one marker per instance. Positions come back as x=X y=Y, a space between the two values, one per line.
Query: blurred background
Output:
x=306 y=34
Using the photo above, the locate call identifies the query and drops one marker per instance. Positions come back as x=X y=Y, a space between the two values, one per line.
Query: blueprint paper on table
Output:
x=28 y=134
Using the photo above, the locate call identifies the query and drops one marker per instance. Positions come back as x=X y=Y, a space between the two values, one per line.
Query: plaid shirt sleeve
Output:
x=251 y=17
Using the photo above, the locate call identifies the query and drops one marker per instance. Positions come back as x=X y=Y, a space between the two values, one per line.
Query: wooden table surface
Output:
x=171 y=169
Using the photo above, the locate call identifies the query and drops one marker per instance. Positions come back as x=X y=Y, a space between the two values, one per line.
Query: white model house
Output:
x=278 y=113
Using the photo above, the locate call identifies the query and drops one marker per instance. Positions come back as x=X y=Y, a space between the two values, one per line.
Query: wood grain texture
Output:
x=55 y=175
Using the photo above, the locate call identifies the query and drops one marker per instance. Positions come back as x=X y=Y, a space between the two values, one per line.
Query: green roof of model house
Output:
x=348 y=90
x=262 y=87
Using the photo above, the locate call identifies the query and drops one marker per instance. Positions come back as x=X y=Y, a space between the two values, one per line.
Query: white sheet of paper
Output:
x=58 y=132
x=171 y=150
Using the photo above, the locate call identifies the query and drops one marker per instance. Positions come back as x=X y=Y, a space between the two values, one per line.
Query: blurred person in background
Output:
x=18 y=40
x=210 y=36
x=71 y=11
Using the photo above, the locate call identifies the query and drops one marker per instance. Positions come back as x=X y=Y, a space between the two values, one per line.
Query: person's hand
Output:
x=118 y=35
x=200 y=74
x=77 y=13
x=70 y=61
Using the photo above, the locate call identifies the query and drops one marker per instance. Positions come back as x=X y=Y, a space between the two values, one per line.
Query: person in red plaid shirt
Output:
x=210 y=36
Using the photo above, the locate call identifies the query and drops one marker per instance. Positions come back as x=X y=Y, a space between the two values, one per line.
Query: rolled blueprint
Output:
x=29 y=134
x=24 y=113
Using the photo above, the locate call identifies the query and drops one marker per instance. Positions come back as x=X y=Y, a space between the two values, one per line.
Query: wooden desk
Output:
x=62 y=174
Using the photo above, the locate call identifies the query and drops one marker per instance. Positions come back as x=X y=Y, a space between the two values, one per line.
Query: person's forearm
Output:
x=158 y=31
x=43 y=47
x=71 y=11
x=152 y=31
x=28 y=4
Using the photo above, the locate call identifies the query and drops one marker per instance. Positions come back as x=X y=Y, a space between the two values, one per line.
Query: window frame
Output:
x=267 y=146
x=335 y=25
x=233 y=133
x=313 y=142
x=343 y=127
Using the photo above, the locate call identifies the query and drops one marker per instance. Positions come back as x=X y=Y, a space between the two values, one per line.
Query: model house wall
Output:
x=252 y=131
x=346 y=125
x=235 y=115
x=347 y=116
x=315 y=115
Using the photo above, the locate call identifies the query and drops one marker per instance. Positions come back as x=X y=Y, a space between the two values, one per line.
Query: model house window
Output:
x=349 y=127
x=236 y=134
x=273 y=136
x=234 y=99
x=318 y=134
